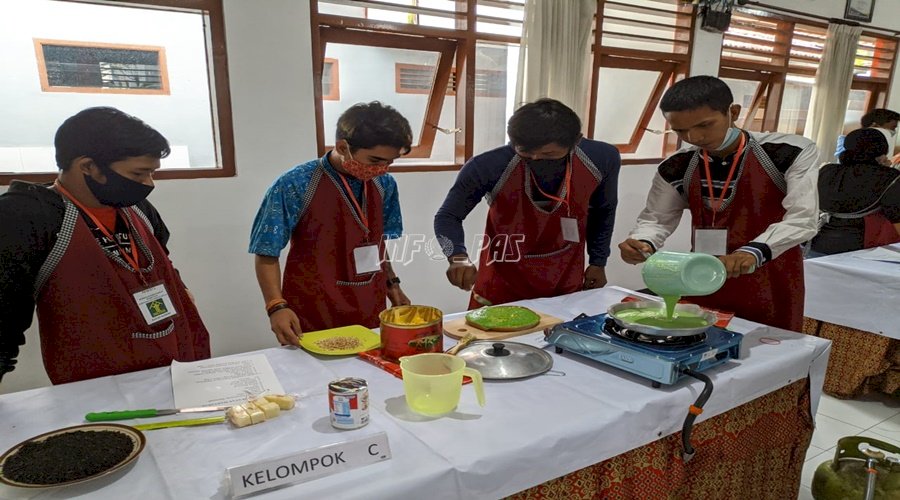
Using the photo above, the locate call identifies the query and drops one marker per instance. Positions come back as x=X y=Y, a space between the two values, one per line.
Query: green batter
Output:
x=503 y=318
x=671 y=301
x=651 y=317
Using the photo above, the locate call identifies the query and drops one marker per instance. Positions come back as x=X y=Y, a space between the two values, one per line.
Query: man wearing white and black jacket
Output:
x=752 y=197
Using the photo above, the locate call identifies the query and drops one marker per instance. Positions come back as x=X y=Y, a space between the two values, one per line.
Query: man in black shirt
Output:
x=859 y=198
x=89 y=253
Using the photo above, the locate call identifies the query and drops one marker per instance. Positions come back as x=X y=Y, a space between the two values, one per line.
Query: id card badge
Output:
x=711 y=241
x=154 y=303
x=569 y=229
x=366 y=259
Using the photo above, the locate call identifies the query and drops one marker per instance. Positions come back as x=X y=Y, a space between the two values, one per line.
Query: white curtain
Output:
x=555 y=55
x=828 y=103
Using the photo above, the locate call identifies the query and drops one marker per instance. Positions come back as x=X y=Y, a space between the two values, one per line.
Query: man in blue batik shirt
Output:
x=336 y=212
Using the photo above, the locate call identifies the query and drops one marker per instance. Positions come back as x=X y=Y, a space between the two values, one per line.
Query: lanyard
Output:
x=715 y=204
x=362 y=214
x=131 y=259
x=567 y=182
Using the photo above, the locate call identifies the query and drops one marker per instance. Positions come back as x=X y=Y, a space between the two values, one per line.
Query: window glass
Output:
x=150 y=63
x=102 y=67
x=495 y=91
x=380 y=67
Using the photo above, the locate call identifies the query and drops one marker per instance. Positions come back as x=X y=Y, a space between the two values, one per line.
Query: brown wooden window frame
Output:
x=220 y=92
x=773 y=75
x=460 y=44
x=335 y=94
x=39 y=44
x=669 y=66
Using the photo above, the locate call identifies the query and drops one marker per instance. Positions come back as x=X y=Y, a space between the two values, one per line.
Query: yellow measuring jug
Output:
x=433 y=382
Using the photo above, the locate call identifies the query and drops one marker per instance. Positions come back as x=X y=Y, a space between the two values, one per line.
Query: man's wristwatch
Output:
x=393 y=281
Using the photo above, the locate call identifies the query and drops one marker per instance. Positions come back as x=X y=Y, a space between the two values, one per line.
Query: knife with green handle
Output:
x=104 y=416
x=180 y=423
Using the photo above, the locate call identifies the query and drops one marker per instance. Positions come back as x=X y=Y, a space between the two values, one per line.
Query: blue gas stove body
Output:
x=662 y=364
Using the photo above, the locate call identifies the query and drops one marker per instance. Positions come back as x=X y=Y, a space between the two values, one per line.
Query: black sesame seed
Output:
x=67 y=457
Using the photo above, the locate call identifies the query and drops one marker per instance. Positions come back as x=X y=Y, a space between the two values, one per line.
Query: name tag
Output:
x=367 y=259
x=711 y=241
x=308 y=465
x=155 y=304
x=570 y=229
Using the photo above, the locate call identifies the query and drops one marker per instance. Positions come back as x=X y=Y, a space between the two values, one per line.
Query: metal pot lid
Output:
x=505 y=360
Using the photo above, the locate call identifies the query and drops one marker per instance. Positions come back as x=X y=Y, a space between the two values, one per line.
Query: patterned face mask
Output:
x=364 y=171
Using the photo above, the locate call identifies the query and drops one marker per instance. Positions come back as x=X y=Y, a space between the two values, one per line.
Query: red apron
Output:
x=879 y=231
x=524 y=255
x=774 y=293
x=320 y=280
x=90 y=324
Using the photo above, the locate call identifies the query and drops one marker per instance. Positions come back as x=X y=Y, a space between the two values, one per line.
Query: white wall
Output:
x=274 y=129
x=182 y=115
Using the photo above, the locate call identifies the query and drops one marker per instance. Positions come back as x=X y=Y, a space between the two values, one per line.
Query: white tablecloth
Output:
x=849 y=289
x=529 y=432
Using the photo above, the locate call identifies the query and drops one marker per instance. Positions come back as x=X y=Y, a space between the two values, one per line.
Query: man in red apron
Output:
x=551 y=195
x=89 y=252
x=336 y=212
x=752 y=199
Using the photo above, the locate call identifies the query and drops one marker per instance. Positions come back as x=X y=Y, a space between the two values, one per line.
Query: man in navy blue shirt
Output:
x=552 y=194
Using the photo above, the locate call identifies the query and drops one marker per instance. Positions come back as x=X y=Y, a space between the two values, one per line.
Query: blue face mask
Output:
x=731 y=136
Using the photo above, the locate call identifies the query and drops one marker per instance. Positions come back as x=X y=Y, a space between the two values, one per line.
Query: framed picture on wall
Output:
x=859 y=10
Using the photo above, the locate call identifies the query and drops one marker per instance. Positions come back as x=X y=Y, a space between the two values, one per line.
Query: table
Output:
x=530 y=432
x=853 y=301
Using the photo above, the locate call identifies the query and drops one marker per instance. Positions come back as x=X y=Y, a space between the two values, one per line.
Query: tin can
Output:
x=411 y=330
x=348 y=401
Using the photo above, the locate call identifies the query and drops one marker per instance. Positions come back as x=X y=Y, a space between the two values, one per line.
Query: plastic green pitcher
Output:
x=683 y=274
x=433 y=382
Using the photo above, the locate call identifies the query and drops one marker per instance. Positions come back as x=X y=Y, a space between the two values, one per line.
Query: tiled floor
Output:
x=876 y=416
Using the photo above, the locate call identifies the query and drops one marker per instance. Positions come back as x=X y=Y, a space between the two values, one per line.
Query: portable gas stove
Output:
x=663 y=360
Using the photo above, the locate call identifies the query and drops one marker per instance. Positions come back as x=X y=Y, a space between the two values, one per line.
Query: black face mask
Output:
x=548 y=164
x=118 y=191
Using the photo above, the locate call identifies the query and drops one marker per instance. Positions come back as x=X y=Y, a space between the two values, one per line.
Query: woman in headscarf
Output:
x=859 y=198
